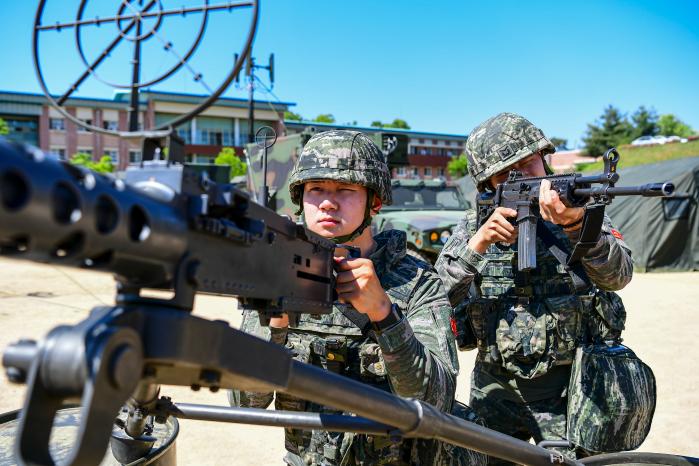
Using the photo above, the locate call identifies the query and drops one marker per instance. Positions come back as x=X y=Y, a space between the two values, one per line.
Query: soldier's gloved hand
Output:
x=358 y=285
x=553 y=210
x=497 y=229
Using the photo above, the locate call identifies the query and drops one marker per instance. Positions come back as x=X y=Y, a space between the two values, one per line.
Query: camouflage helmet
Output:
x=341 y=155
x=500 y=142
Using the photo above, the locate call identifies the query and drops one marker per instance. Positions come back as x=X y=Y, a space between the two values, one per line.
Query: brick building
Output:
x=33 y=120
x=224 y=124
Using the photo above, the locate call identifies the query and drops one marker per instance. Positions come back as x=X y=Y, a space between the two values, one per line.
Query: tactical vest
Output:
x=527 y=322
x=336 y=344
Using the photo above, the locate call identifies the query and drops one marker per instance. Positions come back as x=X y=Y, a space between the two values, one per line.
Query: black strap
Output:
x=592 y=225
x=357 y=318
x=560 y=252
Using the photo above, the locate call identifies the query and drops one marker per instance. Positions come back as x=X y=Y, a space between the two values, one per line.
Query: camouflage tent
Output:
x=663 y=233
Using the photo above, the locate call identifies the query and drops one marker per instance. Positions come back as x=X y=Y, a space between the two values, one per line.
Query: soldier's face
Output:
x=529 y=166
x=332 y=208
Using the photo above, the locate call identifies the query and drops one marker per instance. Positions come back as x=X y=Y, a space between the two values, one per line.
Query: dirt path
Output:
x=662 y=307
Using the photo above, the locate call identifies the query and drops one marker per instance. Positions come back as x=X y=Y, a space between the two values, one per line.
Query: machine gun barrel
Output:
x=646 y=190
x=193 y=235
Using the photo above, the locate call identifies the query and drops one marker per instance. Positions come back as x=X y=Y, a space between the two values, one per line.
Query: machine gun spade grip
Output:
x=106 y=371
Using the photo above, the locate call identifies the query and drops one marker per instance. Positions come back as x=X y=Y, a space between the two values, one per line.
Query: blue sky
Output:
x=443 y=66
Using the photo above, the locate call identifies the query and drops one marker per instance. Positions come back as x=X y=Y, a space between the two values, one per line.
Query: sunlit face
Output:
x=529 y=166
x=332 y=208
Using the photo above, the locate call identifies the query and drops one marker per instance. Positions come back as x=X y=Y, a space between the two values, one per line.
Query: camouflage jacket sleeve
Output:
x=458 y=264
x=251 y=325
x=608 y=263
x=419 y=351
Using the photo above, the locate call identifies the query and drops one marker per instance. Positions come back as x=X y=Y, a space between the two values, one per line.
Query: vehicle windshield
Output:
x=421 y=197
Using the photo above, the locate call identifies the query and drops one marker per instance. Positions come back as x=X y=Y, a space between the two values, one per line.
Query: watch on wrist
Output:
x=390 y=320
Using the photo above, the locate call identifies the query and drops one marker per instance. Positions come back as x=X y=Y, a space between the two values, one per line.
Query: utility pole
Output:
x=250 y=68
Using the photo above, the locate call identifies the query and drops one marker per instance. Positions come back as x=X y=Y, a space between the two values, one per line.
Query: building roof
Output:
x=372 y=129
x=121 y=100
x=40 y=99
x=198 y=98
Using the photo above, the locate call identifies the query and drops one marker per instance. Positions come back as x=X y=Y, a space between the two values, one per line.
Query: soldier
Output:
x=391 y=326
x=525 y=325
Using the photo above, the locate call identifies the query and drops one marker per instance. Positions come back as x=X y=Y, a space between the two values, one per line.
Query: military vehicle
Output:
x=427 y=210
x=283 y=154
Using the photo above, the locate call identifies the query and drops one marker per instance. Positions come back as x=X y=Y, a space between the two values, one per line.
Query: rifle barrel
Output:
x=646 y=190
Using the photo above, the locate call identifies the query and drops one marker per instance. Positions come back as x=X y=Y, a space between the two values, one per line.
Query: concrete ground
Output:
x=662 y=311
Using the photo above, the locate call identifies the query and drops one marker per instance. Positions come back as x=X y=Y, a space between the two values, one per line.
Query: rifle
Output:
x=575 y=190
x=173 y=227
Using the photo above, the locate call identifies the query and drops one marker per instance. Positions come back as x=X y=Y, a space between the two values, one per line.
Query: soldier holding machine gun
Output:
x=390 y=327
x=528 y=293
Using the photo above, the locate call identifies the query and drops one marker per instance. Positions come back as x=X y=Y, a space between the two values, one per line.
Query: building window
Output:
x=81 y=128
x=415 y=171
x=110 y=125
x=113 y=155
x=84 y=151
x=59 y=152
x=57 y=124
x=421 y=141
x=401 y=171
x=448 y=143
x=135 y=156
x=434 y=142
x=423 y=151
x=441 y=172
x=428 y=171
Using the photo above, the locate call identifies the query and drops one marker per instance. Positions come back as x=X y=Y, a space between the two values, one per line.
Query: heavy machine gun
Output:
x=575 y=190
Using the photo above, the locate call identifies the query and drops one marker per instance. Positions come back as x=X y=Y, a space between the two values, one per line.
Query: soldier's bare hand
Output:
x=497 y=229
x=358 y=285
x=553 y=210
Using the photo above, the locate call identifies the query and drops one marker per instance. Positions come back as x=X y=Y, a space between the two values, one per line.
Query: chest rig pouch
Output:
x=527 y=322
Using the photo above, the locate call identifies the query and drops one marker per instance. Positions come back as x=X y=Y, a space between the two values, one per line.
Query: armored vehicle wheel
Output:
x=630 y=458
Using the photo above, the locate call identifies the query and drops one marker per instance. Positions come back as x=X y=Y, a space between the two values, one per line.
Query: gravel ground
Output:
x=35 y=298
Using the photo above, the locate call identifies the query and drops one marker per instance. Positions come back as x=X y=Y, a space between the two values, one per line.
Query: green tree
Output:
x=670 y=125
x=104 y=165
x=458 y=166
x=559 y=143
x=227 y=157
x=325 y=118
x=398 y=123
x=292 y=116
x=610 y=130
x=645 y=122
x=4 y=128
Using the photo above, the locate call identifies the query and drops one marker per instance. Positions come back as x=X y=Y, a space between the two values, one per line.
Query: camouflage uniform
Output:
x=527 y=326
x=414 y=358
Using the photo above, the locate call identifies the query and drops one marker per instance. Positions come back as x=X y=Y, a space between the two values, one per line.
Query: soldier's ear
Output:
x=376 y=205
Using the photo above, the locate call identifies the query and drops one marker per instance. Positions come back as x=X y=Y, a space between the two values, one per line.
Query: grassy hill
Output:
x=642 y=155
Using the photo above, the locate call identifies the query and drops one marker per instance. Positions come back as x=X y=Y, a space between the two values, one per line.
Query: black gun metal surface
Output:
x=575 y=190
